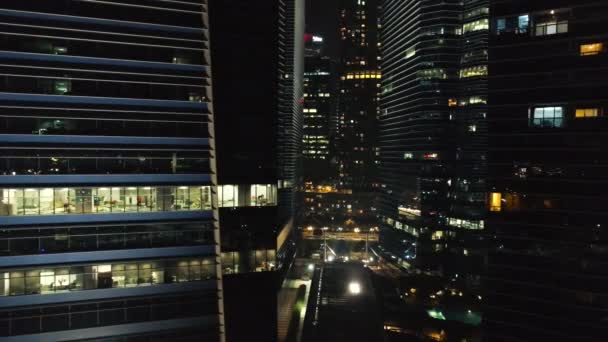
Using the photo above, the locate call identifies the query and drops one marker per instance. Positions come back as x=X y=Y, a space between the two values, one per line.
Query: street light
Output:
x=311 y=267
x=354 y=288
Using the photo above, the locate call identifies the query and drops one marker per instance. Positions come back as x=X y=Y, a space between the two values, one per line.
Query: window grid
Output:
x=548 y=117
x=77 y=278
x=86 y=200
x=551 y=28
x=587 y=113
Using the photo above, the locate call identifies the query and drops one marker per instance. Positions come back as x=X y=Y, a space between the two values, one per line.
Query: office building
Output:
x=107 y=173
x=358 y=90
x=432 y=135
x=257 y=77
x=546 y=278
x=319 y=104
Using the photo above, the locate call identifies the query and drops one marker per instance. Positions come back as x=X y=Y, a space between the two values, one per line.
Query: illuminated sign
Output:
x=317 y=39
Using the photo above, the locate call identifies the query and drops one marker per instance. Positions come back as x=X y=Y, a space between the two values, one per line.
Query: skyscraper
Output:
x=431 y=142
x=107 y=173
x=319 y=103
x=358 y=90
x=258 y=56
x=546 y=278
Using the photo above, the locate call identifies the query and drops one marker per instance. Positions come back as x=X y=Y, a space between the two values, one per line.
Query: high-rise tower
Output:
x=107 y=172
x=358 y=89
x=258 y=55
x=547 y=275
x=432 y=134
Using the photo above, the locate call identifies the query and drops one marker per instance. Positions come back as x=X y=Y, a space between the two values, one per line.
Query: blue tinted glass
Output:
x=523 y=22
x=501 y=25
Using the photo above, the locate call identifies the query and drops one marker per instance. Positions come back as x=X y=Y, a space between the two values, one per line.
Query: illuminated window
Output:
x=516 y=24
x=551 y=27
x=495 y=201
x=436 y=73
x=452 y=102
x=592 y=49
x=481 y=24
x=548 y=117
x=587 y=113
x=438 y=235
x=478 y=70
x=408 y=155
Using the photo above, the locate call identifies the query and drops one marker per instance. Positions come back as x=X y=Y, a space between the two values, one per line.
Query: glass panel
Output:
x=76 y=278
x=182 y=199
x=118 y=275
x=146 y=198
x=229 y=195
x=117 y=202
x=32 y=282
x=16 y=283
x=62 y=280
x=62 y=205
x=30 y=202
x=47 y=281
x=145 y=274
x=103 y=200
x=182 y=271
x=46 y=202
x=228 y=263
x=131 y=275
x=131 y=199
x=195 y=198
x=195 y=270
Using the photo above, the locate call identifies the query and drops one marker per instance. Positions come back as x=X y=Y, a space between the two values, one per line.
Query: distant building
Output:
x=258 y=48
x=319 y=103
x=107 y=173
x=358 y=90
x=546 y=278
x=432 y=135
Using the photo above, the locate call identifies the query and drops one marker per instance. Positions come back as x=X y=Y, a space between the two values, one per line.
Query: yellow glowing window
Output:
x=587 y=113
x=452 y=103
x=495 y=201
x=591 y=49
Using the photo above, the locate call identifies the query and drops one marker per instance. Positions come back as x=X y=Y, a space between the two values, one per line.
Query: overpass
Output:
x=337 y=235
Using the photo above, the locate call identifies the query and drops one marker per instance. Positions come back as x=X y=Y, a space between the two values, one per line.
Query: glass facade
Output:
x=91 y=161
x=82 y=315
x=86 y=238
x=545 y=276
x=51 y=280
x=252 y=261
x=105 y=108
x=99 y=200
x=256 y=195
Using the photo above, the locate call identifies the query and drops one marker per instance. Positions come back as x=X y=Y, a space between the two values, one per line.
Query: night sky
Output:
x=322 y=20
